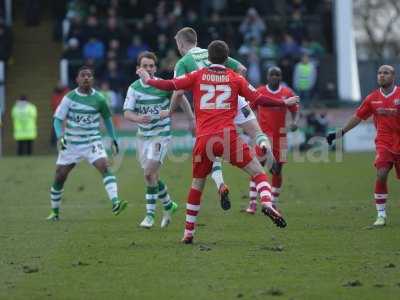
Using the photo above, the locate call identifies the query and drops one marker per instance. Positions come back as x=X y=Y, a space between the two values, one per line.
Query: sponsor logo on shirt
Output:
x=396 y=101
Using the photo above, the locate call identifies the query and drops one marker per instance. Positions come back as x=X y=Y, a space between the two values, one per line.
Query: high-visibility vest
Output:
x=24 y=120
x=304 y=79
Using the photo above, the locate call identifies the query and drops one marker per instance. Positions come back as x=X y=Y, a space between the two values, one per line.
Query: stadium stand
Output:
x=109 y=35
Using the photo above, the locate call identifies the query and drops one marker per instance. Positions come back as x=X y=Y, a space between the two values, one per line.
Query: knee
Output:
x=150 y=178
x=382 y=175
x=61 y=175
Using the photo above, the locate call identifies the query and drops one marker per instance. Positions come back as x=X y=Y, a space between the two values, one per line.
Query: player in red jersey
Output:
x=215 y=95
x=384 y=105
x=272 y=121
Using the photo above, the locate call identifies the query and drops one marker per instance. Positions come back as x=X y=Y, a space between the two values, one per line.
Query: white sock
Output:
x=381 y=209
x=216 y=174
x=110 y=184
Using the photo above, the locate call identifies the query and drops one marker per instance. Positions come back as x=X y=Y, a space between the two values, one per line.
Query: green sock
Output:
x=55 y=195
x=163 y=195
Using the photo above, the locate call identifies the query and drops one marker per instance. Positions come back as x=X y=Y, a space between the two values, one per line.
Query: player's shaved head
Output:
x=385 y=76
x=218 y=52
x=387 y=68
x=273 y=70
x=187 y=35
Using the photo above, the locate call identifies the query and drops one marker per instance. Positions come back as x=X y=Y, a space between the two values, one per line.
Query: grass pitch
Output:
x=327 y=251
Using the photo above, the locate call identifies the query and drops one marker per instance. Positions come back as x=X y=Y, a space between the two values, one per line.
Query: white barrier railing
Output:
x=64 y=72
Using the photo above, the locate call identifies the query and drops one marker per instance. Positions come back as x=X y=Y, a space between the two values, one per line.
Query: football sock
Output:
x=263 y=187
x=381 y=194
x=252 y=191
x=110 y=184
x=163 y=195
x=55 y=195
x=276 y=187
x=216 y=174
x=151 y=198
x=192 y=209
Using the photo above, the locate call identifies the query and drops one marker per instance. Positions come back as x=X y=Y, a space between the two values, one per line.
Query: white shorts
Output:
x=240 y=117
x=152 y=149
x=75 y=153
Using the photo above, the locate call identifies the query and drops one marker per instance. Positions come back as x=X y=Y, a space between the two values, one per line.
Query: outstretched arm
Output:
x=353 y=122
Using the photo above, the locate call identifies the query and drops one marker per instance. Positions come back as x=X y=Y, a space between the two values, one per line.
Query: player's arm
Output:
x=107 y=118
x=256 y=98
x=362 y=113
x=179 y=83
x=59 y=117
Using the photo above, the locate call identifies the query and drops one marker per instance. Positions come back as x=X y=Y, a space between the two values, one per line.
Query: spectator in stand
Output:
x=296 y=26
x=162 y=45
x=304 y=78
x=289 y=47
x=114 y=50
x=250 y=46
x=215 y=27
x=269 y=53
x=24 y=117
x=313 y=49
x=192 y=19
x=72 y=50
x=113 y=100
x=94 y=49
x=114 y=31
x=114 y=76
x=150 y=30
x=5 y=43
x=286 y=66
x=76 y=29
x=137 y=46
x=58 y=93
x=253 y=69
x=252 y=26
x=92 y=29
x=167 y=64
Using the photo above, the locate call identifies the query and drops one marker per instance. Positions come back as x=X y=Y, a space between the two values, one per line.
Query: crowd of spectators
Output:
x=109 y=34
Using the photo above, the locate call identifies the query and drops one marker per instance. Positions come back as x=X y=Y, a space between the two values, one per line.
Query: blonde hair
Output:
x=187 y=35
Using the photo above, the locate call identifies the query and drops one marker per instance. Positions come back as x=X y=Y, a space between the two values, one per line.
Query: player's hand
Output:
x=62 y=144
x=292 y=100
x=145 y=119
x=293 y=127
x=143 y=74
x=165 y=114
x=114 y=147
x=333 y=136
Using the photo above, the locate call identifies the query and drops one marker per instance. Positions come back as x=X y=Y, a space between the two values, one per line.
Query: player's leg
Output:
x=252 y=206
x=169 y=206
x=218 y=178
x=57 y=190
x=151 y=179
x=193 y=208
x=110 y=185
x=381 y=195
x=276 y=183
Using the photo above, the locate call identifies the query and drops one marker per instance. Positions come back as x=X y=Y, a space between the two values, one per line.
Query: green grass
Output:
x=91 y=254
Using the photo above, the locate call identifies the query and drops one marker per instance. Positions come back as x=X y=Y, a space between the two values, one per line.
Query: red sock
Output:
x=276 y=186
x=263 y=187
x=192 y=209
x=381 y=192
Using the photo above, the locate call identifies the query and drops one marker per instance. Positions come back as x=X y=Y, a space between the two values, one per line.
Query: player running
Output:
x=142 y=105
x=215 y=91
x=81 y=139
x=272 y=121
x=195 y=58
x=384 y=105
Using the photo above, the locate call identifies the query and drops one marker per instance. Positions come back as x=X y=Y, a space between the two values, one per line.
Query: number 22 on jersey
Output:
x=210 y=99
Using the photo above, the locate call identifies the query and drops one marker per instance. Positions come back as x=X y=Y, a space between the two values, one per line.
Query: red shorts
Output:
x=229 y=146
x=279 y=150
x=386 y=159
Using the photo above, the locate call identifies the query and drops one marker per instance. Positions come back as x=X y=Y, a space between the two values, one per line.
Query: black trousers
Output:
x=24 y=147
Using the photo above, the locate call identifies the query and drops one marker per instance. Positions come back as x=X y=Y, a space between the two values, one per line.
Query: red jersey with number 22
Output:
x=273 y=119
x=215 y=96
x=386 y=112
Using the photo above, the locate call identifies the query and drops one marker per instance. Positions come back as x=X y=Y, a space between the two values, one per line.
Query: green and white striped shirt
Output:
x=82 y=113
x=143 y=99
